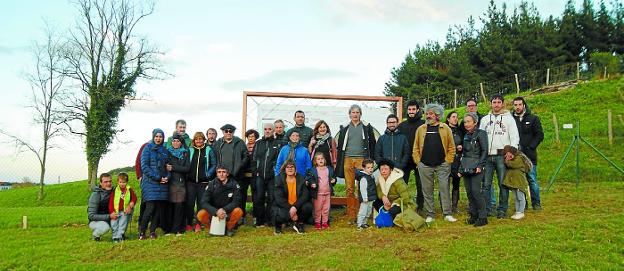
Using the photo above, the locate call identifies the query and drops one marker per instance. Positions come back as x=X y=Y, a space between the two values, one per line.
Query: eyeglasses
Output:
x=228 y=131
x=290 y=166
x=471 y=105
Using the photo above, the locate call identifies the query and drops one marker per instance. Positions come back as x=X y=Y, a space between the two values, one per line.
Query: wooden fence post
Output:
x=424 y=102
x=517 y=84
x=548 y=76
x=24 y=222
x=556 y=128
x=578 y=71
x=483 y=93
x=455 y=99
x=610 y=125
x=604 y=76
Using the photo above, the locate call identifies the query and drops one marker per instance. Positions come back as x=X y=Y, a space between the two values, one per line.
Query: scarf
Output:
x=178 y=153
x=321 y=139
x=291 y=152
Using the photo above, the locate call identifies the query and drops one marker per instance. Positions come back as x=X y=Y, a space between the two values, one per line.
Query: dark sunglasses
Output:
x=228 y=131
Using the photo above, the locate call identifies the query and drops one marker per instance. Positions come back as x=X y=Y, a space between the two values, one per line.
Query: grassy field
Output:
x=580 y=228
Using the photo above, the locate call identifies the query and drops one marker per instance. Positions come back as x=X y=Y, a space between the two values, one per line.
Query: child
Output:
x=321 y=181
x=367 y=193
x=518 y=165
x=122 y=202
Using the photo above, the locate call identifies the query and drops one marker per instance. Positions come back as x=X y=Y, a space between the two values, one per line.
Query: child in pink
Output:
x=321 y=181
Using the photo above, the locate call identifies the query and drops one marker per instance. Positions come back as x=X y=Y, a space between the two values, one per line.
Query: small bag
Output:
x=217 y=226
x=468 y=165
x=383 y=219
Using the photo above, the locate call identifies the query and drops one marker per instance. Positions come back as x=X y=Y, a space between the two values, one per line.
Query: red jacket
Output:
x=111 y=202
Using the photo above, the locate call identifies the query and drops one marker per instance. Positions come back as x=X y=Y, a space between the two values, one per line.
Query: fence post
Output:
x=517 y=84
x=548 y=76
x=578 y=71
x=24 y=222
x=610 y=125
x=424 y=102
x=556 y=128
x=604 y=76
x=455 y=99
x=482 y=93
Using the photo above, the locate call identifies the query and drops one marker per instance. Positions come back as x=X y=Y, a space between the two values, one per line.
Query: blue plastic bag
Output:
x=383 y=219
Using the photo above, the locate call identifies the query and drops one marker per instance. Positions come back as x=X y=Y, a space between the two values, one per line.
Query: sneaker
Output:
x=492 y=213
x=188 y=228
x=500 y=215
x=116 y=240
x=450 y=218
x=317 y=226
x=142 y=236
x=480 y=222
x=471 y=220
x=96 y=238
x=178 y=234
x=517 y=216
x=325 y=226
x=278 y=230
x=197 y=228
x=365 y=226
x=360 y=228
x=429 y=220
x=298 y=227
x=537 y=208
x=153 y=235
x=229 y=233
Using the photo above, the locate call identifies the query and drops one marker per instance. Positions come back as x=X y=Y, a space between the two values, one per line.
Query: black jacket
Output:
x=408 y=128
x=264 y=157
x=281 y=192
x=531 y=134
x=371 y=186
x=240 y=155
x=393 y=146
x=180 y=167
x=218 y=196
x=312 y=178
x=369 y=135
x=475 y=145
x=97 y=208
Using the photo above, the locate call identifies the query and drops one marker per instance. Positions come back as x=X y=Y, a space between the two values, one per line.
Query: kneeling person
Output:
x=222 y=199
x=97 y=210
x=292 y=199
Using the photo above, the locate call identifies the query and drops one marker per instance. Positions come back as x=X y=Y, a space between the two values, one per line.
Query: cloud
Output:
x=399 y=11
x=278 y=78
x=9 y=50
x=182 y=107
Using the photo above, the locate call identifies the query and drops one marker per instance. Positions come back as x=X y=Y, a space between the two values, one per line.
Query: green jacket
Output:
x=515 y=176
x=397 y=193
x=187 y=141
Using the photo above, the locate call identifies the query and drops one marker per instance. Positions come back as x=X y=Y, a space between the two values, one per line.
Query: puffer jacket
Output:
x=312 y=177
x=153 y=161
x=393 y=145
x=302 y=159
x=371 y=187
x=264 y=157
x=97 y=210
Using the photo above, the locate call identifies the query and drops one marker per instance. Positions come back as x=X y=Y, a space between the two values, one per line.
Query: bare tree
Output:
x=46 y=84
x=106 y=58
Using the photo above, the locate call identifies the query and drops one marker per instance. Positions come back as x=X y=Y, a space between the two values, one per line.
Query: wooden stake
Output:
x=482 y=92
x=604 y=76
x=610 y=124
x=24 y=222
x=455 y=100
x=556 y=124
x=578 y=71
x=517 y=84
x=547 y=77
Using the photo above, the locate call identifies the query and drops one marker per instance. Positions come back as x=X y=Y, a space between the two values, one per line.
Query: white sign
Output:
x=567 y=126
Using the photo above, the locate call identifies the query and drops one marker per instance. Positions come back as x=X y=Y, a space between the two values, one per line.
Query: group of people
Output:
x=186 y=181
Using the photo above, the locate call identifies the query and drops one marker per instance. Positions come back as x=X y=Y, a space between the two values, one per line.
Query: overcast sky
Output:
x=218 y=49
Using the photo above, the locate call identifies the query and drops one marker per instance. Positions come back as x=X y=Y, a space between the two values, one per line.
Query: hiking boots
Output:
x=480 y=222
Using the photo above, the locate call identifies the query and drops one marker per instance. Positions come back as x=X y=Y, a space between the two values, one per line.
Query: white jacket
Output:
x=501 y=130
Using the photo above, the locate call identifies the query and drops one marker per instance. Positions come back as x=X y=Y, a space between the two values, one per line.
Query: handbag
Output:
x=383 y=219
x=468 y=165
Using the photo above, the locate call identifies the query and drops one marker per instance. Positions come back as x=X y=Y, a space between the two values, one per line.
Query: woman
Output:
x=203 y=165
x=292 y=199
x=178 y=166
x=473 y=159
x=452 y=121
x=393 y=197
x=296 y=152
x=251 y=135
x=322 y=142
x=154 y=184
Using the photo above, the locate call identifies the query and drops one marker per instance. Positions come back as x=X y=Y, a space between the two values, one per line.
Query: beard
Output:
x=432 y=121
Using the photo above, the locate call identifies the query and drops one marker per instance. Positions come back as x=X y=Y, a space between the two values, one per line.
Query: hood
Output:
x=359 y=174
x=416 y=118
x=395 y=132
x=503 y=112
x=157 y=131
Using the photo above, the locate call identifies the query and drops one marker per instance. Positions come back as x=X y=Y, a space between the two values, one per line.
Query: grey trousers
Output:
x=365 y=211
x=519 y=200
x=427 y=178
x=99 y=227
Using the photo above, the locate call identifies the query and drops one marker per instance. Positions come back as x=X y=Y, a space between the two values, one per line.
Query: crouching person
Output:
x=97 y=210
x=292 y=199
x=222 y=199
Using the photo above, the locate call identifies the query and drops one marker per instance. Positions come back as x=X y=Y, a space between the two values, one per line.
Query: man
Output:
x=305 y=133
x=356 y=142
x=279 y=131
x=393 y=145
x=263 y=161
x=435 y=139
x=97 y=210
x=211 y=137
x=502 y=130
x=471 y=107
x=232 y=154
x=181 y=131
x=408 y=128
x=531 y=135
x=222 y=199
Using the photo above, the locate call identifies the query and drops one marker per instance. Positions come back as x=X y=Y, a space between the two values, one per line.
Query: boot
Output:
x=481 y=222
x=455 y=200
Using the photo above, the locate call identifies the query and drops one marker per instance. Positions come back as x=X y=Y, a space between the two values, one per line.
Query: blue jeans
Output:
x=120 y=225
x=534 y=187
x=496 y=163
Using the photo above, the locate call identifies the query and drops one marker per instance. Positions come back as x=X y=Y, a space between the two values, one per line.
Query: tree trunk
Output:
x=41 y=178
x=93 y=173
